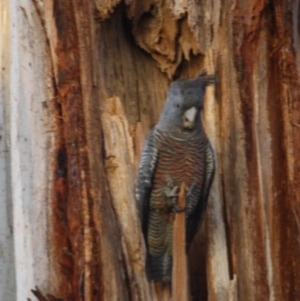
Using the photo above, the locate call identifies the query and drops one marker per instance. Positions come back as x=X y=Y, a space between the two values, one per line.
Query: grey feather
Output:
x=144 y=179
x=176 y=150
x=195 y=220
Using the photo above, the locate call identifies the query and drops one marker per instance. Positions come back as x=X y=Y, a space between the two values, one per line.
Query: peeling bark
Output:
x=119 y=165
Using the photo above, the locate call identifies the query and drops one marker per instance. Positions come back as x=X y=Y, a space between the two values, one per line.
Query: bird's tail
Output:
x=159 y=268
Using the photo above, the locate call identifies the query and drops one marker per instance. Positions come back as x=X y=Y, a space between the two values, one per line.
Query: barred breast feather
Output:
x=166 y=162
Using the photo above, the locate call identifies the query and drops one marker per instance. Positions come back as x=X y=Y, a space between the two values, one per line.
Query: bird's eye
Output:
x=177 y=105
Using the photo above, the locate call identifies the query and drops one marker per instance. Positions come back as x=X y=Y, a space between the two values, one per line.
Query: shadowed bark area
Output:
x=106 y=66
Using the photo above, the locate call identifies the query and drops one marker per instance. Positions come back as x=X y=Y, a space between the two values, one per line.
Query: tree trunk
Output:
x=82 y=83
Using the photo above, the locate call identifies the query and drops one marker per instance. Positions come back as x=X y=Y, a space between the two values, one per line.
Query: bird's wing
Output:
x=144 y=179
x=194 y=221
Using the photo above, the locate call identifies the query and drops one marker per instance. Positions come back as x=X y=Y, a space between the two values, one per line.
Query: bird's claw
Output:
x=188 y=191
x=175 y=205
x=174 y=192
x=173 y=196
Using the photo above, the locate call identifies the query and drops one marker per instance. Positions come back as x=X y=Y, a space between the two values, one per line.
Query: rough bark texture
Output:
x=82 y=83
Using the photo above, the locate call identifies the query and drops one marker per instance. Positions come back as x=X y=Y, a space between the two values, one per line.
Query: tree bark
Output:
x=82 y=83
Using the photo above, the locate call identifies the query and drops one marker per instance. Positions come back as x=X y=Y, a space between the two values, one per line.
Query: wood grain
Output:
x=61 y=66
x=179 y=269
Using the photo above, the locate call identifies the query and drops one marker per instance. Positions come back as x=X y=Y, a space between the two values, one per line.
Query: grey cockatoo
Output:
x=176 y=150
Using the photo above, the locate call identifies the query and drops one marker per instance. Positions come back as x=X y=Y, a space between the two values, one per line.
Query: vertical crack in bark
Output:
x=72 y=129
x=71 y=231
x=247 y=24
x=286 y=147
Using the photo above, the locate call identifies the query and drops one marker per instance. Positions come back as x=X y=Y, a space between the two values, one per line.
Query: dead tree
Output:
x=82 y=82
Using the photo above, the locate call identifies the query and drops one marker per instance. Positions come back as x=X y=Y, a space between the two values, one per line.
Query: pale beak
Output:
x=189 y=118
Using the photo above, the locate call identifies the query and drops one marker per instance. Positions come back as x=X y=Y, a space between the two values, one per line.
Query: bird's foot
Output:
x=173 y=193
x=178 y=208
x=188 y=190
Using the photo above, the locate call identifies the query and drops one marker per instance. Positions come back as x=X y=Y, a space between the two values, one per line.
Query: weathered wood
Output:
x=179 y=270
x=119 y=165
x=26 y=148
x=61 y=66
x=7 y=264
x=232 y=293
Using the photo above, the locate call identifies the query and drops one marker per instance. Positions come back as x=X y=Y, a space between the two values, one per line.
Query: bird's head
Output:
x=184 y=102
